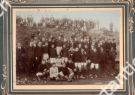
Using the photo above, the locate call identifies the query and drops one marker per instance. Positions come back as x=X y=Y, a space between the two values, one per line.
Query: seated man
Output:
x=54 y=72
x=42 y=70
x=71 y=67
x=66 y=73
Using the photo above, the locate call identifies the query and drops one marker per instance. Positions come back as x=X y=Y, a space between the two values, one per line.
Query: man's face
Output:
x=88 y=61
x=46 y=44
x=31 y=43
x=81 y=40
x=101 y=49
x=85 y=46
x=39 y=44
x=54 y=65
x=69 y=60
x=80 y=46
x=43 y=39
x=65 y=40
x=19 y=45
x=52 y=46
x=77 y=49
x=82 y=50
x=84 y=40
x=49 y=40
x=43 y=61
x=64 y=46
x=75 y=38
x=59 y=37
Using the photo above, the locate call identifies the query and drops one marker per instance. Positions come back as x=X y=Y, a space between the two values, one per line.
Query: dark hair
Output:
x=53 y=63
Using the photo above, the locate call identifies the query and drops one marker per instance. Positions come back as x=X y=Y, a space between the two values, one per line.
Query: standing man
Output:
x=102 y=60
x=94 y=62
x=19 y=51
x=77 y=62
x=30 y=57
x=52 y=54
x=59 y=45
x=35 y=56
x=83 y=62
x=39 y=53
x=112 y=56
x=64 y=53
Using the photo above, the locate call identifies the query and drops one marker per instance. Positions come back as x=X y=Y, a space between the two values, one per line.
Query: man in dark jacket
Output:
x=114 y=44
x=64 y=53
x=19 y=51
x=71 y=53
x=112 y=56
x=39 y=53
x=26 y=40
x=83 y=62
x=59 y=44
x=30 y=57
x=43 y=70
x=35 y=57
x=45 y=51
x=52 y=54
x=94 y=61
x=77 y=61
x=102 y=60
x=75 y=43
x=88 y=43
x=49 y=43
x=66 y=73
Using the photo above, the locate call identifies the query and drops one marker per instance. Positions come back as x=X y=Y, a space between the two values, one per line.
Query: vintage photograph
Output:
x=67 y=47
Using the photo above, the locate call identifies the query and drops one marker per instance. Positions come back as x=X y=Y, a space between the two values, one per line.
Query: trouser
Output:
x=39 y=60
x=78 y=66
x=88 y=69
x=23 y=66
x=56 y=78
x=58 y=49
x=71 y=75
x=83 y=68
x=42 y=76
x=17 y=66
x=102 y=64
x=94 y=68
x=35 y=65
x=113 y=62
x=30 y=65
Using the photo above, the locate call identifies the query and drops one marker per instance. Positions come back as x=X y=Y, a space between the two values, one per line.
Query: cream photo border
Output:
x=38 y=87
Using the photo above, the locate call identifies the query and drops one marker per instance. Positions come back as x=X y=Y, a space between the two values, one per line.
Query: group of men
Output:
x=64 y=59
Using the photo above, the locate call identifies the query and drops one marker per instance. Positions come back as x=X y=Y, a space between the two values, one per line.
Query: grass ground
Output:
x=32 y=80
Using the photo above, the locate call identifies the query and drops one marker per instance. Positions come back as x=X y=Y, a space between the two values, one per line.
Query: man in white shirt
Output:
x=54 y=72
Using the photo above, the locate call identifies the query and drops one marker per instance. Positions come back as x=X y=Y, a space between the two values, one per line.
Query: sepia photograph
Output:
x=70 y=47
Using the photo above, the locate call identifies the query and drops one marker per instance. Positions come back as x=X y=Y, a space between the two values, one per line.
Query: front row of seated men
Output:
x=55 y=72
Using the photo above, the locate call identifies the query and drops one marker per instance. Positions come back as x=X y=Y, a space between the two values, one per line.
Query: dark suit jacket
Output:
x=64 y=52
x=31 y=52
x=19 y=52
x=94 y=57
x=52 y=53
x=102 y=56
x=77 y=57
